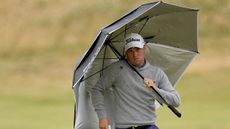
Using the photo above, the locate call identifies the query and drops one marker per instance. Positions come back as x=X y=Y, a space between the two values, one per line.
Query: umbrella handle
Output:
x=174 y=110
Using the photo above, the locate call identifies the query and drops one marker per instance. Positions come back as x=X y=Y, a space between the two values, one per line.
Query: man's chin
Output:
x=138 y=64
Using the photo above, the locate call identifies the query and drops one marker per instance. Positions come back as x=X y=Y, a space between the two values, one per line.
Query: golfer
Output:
x=134 y=100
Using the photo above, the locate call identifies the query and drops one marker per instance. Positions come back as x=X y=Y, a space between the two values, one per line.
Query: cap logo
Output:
x=131 y=40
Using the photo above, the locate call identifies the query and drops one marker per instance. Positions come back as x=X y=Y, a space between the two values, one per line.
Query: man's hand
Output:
x=150 y=83
x=104 y=123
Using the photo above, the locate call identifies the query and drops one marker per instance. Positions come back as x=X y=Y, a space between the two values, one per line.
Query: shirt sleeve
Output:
x=167 y=91
x=98 y=91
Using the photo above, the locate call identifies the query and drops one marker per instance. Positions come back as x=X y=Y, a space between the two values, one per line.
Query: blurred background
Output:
x=42 y=40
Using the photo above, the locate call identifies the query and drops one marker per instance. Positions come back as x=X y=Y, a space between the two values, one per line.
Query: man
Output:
x=134 y=100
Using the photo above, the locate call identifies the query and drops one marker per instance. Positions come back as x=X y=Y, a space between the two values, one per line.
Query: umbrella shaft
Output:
x=173 y=109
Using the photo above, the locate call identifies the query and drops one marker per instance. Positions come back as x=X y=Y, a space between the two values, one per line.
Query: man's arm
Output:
x=97 y=95
x=165 y=89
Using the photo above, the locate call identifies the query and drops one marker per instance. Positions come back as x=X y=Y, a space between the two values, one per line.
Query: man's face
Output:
x=136 y=56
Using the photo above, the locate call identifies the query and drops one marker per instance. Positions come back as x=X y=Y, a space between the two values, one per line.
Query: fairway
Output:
x=42 y=41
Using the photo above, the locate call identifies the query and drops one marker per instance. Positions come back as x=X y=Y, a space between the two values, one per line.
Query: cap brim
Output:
x=133 y=44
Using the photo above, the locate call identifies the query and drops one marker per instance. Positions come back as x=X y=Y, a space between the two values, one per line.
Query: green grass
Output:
x=205 y=103
x=40 y=111
x=41 y=41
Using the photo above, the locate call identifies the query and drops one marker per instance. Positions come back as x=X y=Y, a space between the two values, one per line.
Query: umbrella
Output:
x=171 y=35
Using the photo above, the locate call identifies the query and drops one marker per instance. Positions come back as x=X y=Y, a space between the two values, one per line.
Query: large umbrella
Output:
x=171 y=35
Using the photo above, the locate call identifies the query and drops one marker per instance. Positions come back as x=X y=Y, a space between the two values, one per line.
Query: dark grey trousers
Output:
x=150 y=127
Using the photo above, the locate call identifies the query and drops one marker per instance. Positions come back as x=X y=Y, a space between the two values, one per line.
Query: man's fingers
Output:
x=149 y=83
x=103 y=123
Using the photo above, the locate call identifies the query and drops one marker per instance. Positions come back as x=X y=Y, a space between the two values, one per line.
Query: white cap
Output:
x=133 y=40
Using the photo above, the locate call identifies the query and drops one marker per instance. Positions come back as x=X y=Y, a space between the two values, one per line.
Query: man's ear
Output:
x=125 y=55
x=146 y=48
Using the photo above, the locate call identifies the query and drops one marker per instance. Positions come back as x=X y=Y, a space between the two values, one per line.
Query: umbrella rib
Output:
x=118 y=55
x=102 y=65
x=116 y=41
x=125 y=31
x=103 y=62
x=94 y=73
x=126 y=28
x=105 y=58
x=147 y=19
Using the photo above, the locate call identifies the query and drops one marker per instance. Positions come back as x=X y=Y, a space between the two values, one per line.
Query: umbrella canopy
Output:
x=170 y=32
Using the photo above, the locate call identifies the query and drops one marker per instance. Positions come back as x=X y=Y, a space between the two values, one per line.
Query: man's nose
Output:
x=135 y=53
